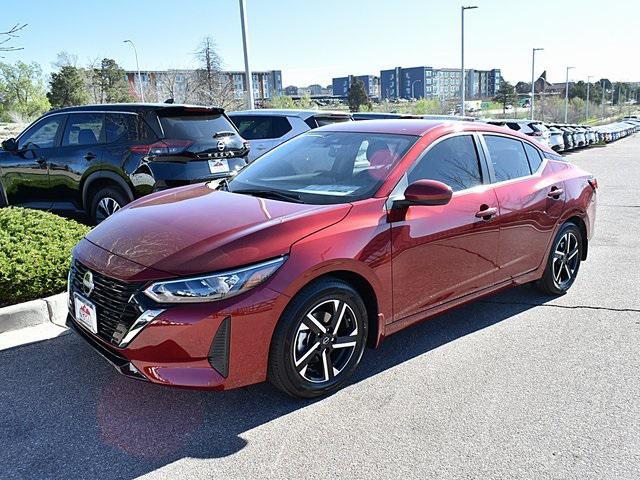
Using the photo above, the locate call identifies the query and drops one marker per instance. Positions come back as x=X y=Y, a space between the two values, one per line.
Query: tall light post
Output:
x=245 y=45
x=566 y=96
x=462 y=92
x=533 y=82
x=138 y=68
x=602 y=85
x=588 y=83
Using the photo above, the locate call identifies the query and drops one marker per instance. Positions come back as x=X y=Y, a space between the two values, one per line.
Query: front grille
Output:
x=115 y=312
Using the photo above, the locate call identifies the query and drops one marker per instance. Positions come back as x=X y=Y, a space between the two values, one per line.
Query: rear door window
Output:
x=534 y=157
x=508 y=157
x=453 y=161
x=84 y=129
x=261 y=127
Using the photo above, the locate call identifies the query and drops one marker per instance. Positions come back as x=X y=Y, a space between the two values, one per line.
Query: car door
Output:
x=80 y=150
x=529 y=208
x=25 y=174
x=441 y=253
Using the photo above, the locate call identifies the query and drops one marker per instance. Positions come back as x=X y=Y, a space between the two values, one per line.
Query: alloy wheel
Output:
x=107 y=206
x=565 y=259
x=325 y=341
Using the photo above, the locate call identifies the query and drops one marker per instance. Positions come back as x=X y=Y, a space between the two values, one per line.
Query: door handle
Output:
x=486 y=213
x=555 y=193
x=89 y=156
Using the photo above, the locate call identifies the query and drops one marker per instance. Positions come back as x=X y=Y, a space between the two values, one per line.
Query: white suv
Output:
x=266 y=129
x=534 y=128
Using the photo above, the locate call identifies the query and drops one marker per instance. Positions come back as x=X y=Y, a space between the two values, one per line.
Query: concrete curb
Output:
x=28 y=314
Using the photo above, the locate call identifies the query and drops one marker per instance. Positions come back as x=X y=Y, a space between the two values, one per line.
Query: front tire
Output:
x=319 y=340
x=563 y=262
x=106 y=202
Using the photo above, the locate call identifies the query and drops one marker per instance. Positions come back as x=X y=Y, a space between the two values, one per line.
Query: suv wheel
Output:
x=319 y=340
x=106 y=202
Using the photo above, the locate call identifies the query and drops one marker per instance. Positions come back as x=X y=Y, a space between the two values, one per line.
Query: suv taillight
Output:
x=163 y=147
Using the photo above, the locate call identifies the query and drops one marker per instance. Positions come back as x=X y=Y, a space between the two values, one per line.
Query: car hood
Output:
x=194 y=229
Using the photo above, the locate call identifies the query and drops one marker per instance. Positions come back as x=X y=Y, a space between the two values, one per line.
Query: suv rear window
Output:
x=261 y=127
x=193 y=126
x=538 y=127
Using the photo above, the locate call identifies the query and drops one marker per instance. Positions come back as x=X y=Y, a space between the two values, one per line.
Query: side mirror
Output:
x=10 y=145
x=427 y=192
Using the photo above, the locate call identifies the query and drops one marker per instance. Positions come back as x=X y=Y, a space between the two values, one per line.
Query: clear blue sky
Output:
x=311 y=41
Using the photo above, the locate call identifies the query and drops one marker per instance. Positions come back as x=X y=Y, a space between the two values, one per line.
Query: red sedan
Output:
x=324 y=246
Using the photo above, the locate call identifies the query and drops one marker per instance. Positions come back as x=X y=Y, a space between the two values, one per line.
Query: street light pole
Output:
x=588 y=83
x=138 y=68
x=462 y=92
x=533 y=83
x=602 y=85
x=245 y=45
x=566 y=97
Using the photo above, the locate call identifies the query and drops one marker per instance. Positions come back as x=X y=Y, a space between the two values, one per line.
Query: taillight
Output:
x=163 y=147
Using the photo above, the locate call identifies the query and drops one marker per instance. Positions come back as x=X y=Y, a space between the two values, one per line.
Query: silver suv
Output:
x=266 y=129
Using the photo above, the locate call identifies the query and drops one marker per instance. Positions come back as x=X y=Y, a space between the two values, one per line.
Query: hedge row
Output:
x=35 y=252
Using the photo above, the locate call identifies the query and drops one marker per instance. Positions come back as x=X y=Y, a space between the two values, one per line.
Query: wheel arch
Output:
x=363 y=285
x=582 y=226
x=103 y=178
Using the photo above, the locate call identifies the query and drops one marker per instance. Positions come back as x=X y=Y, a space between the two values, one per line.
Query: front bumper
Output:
x=201 y=346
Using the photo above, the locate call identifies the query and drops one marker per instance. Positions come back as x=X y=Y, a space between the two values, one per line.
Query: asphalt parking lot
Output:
x=515 y=386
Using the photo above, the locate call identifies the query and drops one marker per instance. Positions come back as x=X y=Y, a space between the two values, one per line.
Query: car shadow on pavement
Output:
x=65 y=413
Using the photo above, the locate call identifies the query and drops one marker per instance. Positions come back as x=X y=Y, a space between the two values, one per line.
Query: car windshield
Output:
x=324 y=167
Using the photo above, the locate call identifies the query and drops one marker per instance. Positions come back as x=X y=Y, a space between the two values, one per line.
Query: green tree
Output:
x=67 y=88
x=523 y=87
x=108 y=83
x=506 y=95
x=357 y=96
x=22 y=91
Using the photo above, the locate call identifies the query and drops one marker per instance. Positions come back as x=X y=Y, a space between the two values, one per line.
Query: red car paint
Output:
x=417 y=262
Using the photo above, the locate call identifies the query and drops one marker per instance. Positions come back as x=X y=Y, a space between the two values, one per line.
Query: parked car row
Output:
x=93 y=160
x=564 y=137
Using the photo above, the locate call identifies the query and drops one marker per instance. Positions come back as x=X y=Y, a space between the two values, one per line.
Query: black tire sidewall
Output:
x=113 y=192
x=548 y=279
x=281 y=360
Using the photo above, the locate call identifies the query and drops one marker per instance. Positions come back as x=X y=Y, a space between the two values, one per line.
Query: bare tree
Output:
x=214 y=87
x=8 y=35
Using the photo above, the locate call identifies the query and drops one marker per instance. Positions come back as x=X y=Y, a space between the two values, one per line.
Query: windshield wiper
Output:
x=273 y=194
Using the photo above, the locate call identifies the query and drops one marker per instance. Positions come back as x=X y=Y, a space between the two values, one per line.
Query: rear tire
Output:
x=319 y=340
x=105 y=203
x=563 y=262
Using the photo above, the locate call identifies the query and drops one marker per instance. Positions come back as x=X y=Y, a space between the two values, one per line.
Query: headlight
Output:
x=213 y=287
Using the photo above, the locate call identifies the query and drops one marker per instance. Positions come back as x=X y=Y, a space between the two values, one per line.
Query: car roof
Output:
x=304 y=114
x=512 y=120
x=134 y=107
x=420 y=127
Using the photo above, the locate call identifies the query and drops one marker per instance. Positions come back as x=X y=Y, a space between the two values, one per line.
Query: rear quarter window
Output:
x=534 y=157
